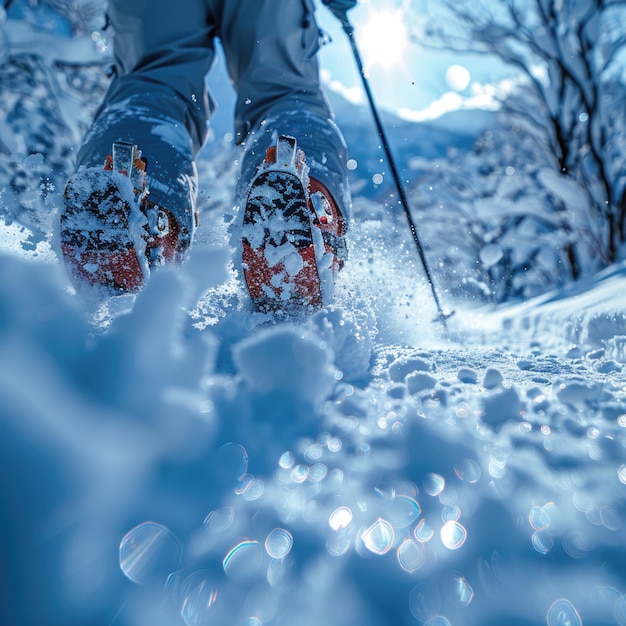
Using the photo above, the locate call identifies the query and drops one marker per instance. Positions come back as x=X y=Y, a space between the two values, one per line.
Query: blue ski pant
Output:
x=163 y=50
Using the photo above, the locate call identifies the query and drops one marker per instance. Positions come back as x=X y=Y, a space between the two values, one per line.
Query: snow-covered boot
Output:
x=111 y=233
x=293 y=234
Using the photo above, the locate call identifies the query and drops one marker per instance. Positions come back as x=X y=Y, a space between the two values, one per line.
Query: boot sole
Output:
x=96 y=239
x=279 y=263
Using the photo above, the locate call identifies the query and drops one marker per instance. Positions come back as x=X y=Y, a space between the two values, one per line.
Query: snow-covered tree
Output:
x=569 y=100
x=508 y=240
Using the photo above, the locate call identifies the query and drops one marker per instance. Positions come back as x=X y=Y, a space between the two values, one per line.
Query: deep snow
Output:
x=354 y=467
x=180 y=459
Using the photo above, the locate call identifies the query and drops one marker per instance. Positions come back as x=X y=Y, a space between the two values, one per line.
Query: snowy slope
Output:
x=179 y=459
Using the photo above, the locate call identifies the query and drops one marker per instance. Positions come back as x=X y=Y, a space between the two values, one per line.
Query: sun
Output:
x=384 y=38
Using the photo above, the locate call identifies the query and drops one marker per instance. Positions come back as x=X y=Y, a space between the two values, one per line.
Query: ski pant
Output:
x=163 y=50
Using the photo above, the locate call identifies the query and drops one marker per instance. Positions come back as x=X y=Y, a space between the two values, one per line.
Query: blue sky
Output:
x=417 y=83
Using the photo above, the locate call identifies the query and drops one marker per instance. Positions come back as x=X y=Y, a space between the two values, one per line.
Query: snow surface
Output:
x=179 y=459
x=357 y=466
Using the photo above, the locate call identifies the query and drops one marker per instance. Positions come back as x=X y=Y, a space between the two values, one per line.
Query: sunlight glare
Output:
x=384 y=38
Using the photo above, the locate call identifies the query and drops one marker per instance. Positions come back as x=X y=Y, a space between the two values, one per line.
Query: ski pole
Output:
x=349 y=30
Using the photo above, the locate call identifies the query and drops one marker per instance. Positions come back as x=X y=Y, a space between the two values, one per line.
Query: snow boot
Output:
x=111 y=234
x=293 y=234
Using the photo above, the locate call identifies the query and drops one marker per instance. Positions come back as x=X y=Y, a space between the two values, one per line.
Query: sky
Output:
x=406 y=79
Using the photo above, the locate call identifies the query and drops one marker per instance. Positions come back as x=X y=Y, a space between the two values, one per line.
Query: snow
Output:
x=249 y=470
x=177 y=458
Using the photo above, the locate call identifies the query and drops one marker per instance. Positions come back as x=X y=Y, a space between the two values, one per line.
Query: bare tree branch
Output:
x=567 y=52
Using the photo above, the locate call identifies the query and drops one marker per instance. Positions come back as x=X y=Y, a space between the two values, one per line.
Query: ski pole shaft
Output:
x=349 y=30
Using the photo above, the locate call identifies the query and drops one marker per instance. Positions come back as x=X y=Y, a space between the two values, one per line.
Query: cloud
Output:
x=483 y=96
x=353 y=94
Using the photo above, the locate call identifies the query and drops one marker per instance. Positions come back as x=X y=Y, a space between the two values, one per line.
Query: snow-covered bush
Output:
x=512 y=236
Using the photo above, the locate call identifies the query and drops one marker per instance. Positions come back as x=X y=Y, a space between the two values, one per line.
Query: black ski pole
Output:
x=349 y=30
